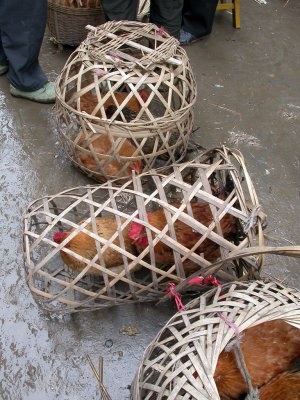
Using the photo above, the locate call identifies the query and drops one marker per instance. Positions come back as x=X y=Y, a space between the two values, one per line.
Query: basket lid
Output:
x=130 y=44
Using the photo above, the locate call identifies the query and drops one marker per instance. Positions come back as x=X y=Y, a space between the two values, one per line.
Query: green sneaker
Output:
x=3 y=69
x=44 y=95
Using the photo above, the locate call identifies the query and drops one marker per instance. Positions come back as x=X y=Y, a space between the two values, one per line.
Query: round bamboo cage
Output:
x=181 y=360
x=67 y=20
x=153 y=230
x=124 y=101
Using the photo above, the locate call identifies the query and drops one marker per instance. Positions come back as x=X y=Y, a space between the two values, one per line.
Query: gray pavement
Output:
x=248 y=98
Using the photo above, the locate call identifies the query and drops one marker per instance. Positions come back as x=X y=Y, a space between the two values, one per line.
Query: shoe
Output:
x=3 y=69
x=44 y=95
x=187 y=38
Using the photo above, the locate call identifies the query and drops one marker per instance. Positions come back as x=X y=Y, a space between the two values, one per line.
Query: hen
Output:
x=185 y=235
x=88 y=102
x=285 y=386
x=85 y=246
x=102 y=145
x=269 y=349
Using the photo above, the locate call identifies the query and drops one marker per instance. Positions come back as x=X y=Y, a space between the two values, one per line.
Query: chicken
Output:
x=285 y=386
x=269 y=349
x=102 y=145
x=128 y=114
x=185 y=235
x=88 y=102
x=85 y=246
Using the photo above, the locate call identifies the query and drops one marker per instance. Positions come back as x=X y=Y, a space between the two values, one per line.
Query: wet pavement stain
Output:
x=248 y=81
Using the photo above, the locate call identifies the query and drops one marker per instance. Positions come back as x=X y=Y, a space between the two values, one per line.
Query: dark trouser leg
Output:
x=22 y=27
x=198 y=16
x=120 y=9
x=167 y=13
x=3 y=59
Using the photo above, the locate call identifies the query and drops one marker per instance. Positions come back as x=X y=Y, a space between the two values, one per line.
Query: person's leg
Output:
x=198 y=16
x=120 y=9
x=3 y=59
x=167 y=13
x=22 y=27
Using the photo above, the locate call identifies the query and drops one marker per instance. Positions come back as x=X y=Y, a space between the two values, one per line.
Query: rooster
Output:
x=102 y=145
x=185 y=235
x=88 y=102
x=269 y=349
x=85 y=246
x=128 y=114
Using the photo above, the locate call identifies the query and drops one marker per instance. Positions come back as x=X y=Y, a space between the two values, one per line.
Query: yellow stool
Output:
x=233 y=5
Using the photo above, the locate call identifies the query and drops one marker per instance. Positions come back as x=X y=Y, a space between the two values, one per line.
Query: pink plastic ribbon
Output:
x=177 y=297
x=161 y=31
x=232 y=325
x=198 y=280
x=99 y=72
x=209 y=280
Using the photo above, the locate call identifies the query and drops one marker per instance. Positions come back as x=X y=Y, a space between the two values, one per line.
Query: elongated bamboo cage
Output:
x=119 y=270
x=181 y=360
x=124 y=100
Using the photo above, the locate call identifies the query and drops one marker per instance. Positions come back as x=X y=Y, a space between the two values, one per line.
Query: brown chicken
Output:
x=185 y=235
x=85 y=246
x=285 y=386
x=269 y=349
x=88 y=102
x=102 y=145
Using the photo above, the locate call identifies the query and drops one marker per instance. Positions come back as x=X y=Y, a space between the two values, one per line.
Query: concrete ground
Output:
x=248 y=97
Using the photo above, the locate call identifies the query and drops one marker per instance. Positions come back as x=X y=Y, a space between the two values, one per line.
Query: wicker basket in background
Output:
x=181 y=360
x=140 y=275
x=67 y=24
x=132 y=84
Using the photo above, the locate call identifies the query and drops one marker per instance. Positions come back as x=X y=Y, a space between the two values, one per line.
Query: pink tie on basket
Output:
x=232 y=325
x=161 y=31
x=99 y=72
x=177 y=297
x=208 y=280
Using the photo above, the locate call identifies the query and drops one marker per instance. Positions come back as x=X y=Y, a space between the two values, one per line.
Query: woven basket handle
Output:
x=290 y=251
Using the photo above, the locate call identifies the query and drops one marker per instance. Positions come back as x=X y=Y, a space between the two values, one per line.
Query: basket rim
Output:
x=74 y=11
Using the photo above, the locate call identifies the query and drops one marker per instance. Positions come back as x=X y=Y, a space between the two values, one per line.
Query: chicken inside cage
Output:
x=271 y=356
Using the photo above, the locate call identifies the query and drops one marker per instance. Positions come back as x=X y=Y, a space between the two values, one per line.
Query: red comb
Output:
x=59 y=237
x=136 y=234
x=135 y=230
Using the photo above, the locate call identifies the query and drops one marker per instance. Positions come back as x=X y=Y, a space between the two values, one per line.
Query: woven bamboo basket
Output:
x=143 y=10
x=142 y=273
x=181 y=360
x=67 y=24
x=129 y=84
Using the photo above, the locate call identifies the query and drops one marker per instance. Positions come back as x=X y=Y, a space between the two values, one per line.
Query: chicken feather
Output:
x=102 y=145
x=285 y=386
x=269 y=348
x=88 y=102
x=185 y=235
x=85 y=246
